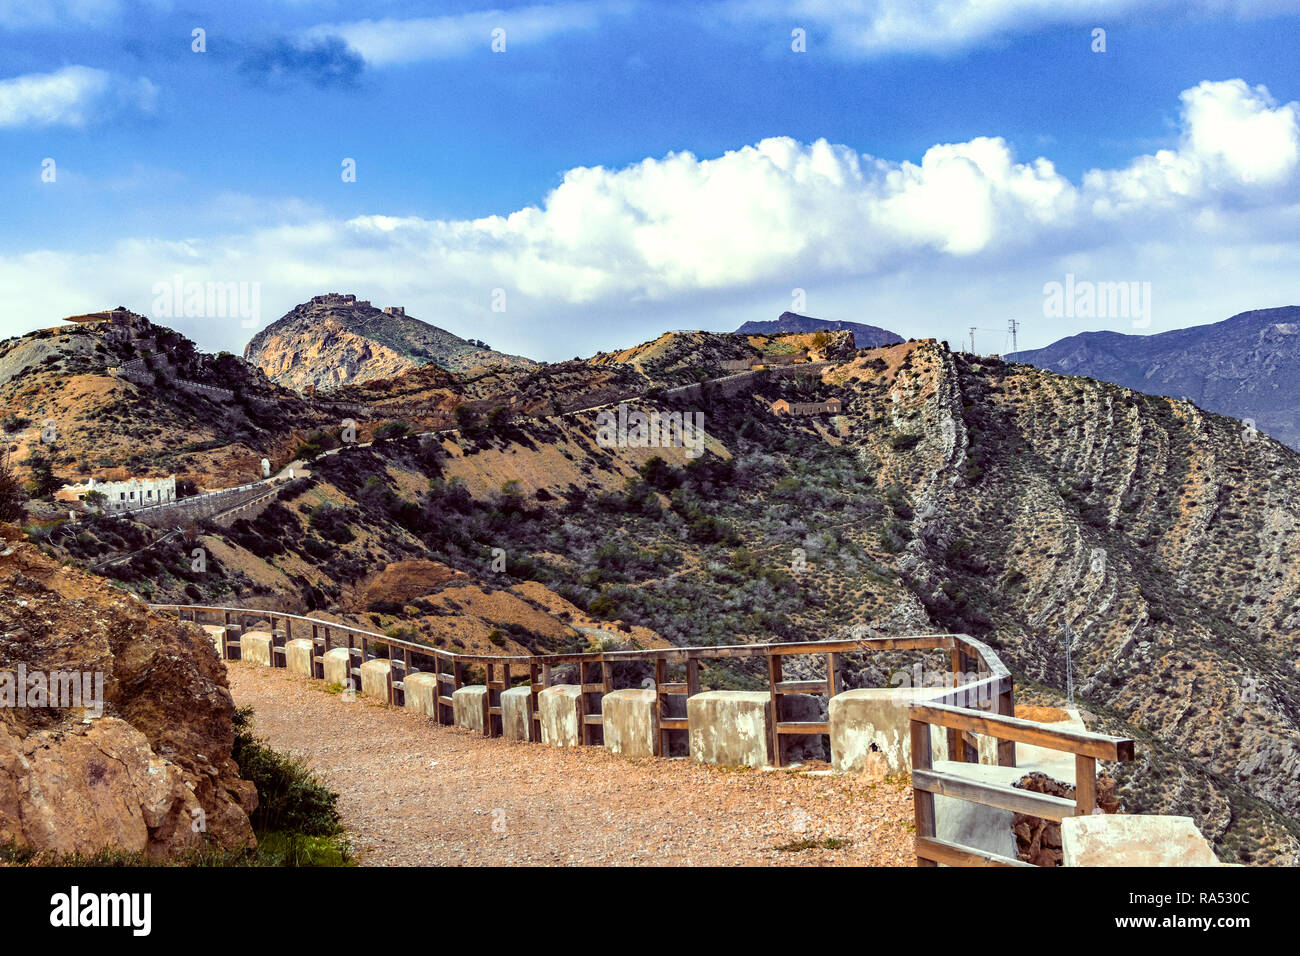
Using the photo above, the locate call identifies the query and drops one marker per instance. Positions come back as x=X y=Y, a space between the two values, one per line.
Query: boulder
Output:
x=153 y=772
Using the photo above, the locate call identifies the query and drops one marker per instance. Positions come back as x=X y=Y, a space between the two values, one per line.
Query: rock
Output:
x=142 y=777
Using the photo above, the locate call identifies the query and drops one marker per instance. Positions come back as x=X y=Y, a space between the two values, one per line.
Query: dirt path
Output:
x=413 y=792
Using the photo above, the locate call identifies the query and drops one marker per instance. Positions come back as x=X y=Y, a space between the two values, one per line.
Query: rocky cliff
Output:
x=153 y=772
x=337 y=340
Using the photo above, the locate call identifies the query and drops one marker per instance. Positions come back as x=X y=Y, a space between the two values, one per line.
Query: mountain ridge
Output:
x=1246 y=366
x=864 y=336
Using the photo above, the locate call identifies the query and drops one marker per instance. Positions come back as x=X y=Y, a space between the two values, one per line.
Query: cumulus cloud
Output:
x=872 y=27
x=395 y=41
x=673 y=232
x=72 y=96
x=1235 y=140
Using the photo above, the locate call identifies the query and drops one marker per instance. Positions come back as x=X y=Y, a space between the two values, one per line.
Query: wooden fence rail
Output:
x=978 y=700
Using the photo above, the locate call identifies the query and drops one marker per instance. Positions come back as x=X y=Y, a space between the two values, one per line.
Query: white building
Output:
x=130 y=495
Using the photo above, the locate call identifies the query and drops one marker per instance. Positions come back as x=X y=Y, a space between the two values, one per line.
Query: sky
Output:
x=562 y=178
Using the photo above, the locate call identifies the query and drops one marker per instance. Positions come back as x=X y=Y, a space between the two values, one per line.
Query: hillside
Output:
x=336 y=340
x=864 y=336
x=136 y=399
x=1247 y=366
x=975 y=496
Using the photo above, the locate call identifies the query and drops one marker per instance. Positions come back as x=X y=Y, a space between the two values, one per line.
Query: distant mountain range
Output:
x=864 y=336
x=336 y=339
x=1247 y=366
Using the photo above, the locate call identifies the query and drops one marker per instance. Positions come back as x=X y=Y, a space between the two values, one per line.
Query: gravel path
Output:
x=413 y=792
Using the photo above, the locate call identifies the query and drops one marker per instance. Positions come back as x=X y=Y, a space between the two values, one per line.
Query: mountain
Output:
x=864 y=336
x=952 y=494
x=336 y=340
x=114 y=396
x=1247 y=366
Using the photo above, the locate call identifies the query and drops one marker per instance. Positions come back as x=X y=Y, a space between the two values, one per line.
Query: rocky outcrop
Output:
x=147 y=768
x=864 y=336
x=337 y=340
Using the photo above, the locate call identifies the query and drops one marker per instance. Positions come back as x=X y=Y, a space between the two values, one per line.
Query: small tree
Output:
x=42 y=483
x=95 y=500
x=11 y=493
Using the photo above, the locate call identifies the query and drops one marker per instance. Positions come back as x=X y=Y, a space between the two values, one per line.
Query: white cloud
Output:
x=72 y=96
x=872 y=27
x=1235 y=140
x=393 y=41
x=970 y=229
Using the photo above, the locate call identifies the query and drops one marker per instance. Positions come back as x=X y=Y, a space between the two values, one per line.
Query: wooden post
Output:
x=661 y=703
x=225 y=636
x=692 y=677
x=347 y=683
x=922 y=800
x=1007 y=708
x=584 y=730
x=832 y=675
x=956 y=746
x=774 y=670
x=487 y=699
x=1085 y=785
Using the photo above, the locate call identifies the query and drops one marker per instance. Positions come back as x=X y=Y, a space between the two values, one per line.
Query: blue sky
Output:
x=626 y=167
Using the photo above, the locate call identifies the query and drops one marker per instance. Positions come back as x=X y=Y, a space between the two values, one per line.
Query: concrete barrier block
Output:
x=214 y=631
x=338 y=666
x=730 y=728
x=876 y=720
x=467 y=706
x=559 y=710
x=631 y=722
x=517 y=713
x=421 y=692
x=1115 y=839
x=374 y=678
x=256 y=646
x=298 y=655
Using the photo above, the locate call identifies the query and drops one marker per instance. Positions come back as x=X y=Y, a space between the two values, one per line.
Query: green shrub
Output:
x=289 y=797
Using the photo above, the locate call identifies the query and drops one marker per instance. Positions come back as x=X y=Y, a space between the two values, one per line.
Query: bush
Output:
x=11 y=494
x=289 y=797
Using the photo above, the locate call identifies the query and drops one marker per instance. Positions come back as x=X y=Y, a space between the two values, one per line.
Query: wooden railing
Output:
x=952 y=711
x=966 y=707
